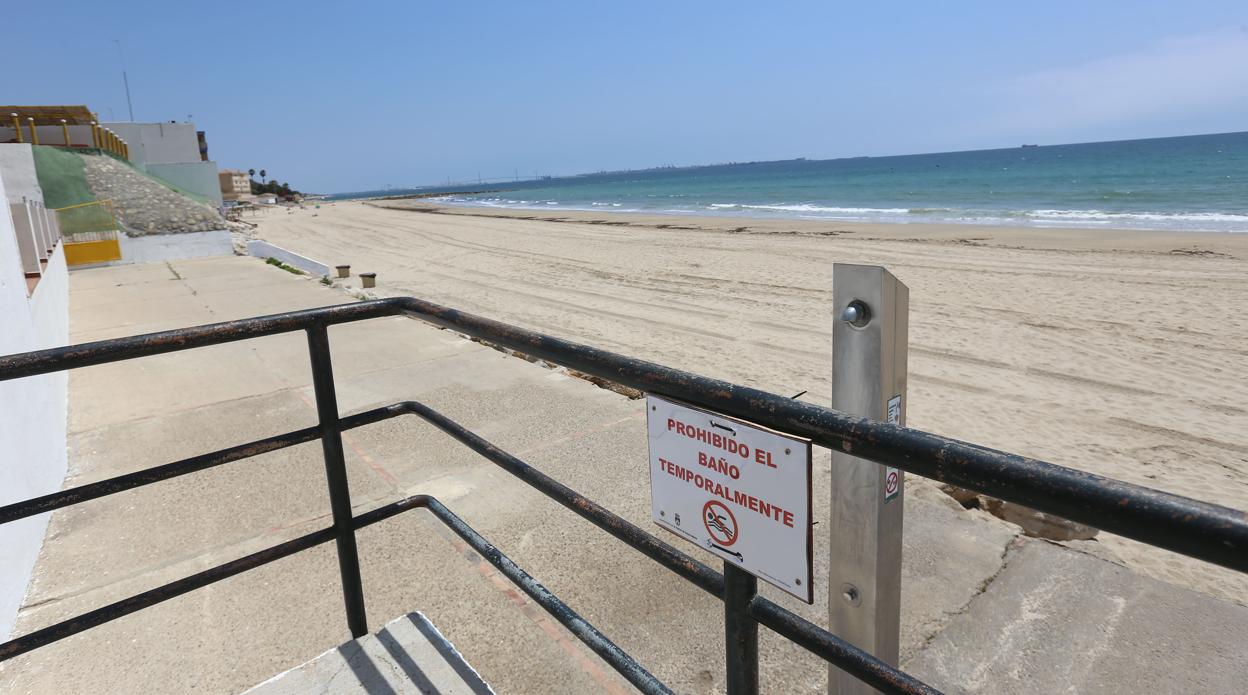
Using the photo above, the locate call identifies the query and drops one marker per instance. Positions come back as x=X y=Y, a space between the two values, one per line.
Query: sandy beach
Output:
x=1122 y=353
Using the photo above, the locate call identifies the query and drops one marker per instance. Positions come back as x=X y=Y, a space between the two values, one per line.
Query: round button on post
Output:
x=856 y=314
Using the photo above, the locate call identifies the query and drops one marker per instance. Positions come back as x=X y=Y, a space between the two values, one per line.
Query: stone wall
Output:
x=145 y=206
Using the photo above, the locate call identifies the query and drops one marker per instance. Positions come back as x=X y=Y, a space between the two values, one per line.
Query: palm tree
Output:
x=262 y=175
x=251 y=172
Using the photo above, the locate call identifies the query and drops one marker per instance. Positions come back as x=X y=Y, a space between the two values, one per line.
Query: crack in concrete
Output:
x=1011 y=548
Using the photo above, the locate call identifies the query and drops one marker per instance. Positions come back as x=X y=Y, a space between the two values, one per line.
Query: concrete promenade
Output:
x=983 y=609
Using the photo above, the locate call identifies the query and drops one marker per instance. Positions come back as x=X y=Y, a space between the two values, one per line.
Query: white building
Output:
x=34 y=314
x=170 y=151
x=235 y=184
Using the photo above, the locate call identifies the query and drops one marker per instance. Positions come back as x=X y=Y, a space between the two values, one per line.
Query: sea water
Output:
x=1195 y=182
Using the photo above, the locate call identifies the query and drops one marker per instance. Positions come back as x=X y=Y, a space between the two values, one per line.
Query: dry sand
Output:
x=1116 y=352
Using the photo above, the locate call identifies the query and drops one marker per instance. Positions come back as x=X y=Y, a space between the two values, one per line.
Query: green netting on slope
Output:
x=69 y=184
x=64 y=183
x=61 y=177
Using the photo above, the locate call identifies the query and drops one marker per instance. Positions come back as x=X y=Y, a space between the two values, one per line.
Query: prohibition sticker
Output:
x=892 y=476
x=735 y=489
x=892 y=482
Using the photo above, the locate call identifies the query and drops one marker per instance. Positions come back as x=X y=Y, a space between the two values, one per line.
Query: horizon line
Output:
x=674 y=167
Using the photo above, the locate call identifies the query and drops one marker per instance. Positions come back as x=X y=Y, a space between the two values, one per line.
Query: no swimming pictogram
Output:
x=892 y=483
x=720 y=523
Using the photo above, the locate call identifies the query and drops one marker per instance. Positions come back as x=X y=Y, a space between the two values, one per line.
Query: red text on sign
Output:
x=718 y=465
x=719 y=441
x=742 y=499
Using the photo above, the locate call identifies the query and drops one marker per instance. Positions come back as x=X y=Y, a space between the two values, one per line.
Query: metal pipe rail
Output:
x=1205 y=531
x=765 y=612
x=1201 y=530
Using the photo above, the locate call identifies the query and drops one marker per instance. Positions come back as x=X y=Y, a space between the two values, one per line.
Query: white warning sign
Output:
x=738 y=490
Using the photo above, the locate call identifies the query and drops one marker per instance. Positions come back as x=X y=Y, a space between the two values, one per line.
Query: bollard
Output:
x=869 y=346
x=65 y=131
x=368 y=280
x=34 y=135
x=17 y=127
x=344 y=271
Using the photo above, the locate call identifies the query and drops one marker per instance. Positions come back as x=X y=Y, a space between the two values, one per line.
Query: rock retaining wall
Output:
x=144 y=205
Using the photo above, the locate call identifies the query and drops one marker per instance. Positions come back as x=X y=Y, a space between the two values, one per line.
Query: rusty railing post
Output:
x=336 y=475
x=740 y=631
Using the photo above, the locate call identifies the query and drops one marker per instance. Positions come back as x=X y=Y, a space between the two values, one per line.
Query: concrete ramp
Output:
x=408 y=655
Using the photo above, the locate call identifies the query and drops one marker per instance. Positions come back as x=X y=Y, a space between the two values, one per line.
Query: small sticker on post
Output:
x=892 y=476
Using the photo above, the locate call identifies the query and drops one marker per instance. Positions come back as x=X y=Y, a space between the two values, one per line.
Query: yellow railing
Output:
x=89 y=231
x=101 y=137
x=108 y=141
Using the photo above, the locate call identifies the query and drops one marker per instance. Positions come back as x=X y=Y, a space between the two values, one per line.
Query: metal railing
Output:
x=61 y=132
x=1201 y=530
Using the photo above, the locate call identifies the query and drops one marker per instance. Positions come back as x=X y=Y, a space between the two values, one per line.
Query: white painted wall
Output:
x=171 y=247
x=170 y=151
x=17 y=172
x=32 y=410
x=158 y=143
x=263 y=249
x=79 y=135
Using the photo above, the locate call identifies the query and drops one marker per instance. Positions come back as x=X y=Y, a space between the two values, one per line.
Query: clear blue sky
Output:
x=349 y=96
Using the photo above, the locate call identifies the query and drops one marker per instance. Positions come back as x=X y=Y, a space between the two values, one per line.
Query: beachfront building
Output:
x=171 y=152
x=235 y=184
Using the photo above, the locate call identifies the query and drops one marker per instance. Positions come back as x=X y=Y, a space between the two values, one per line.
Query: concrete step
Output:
x=408 y=656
